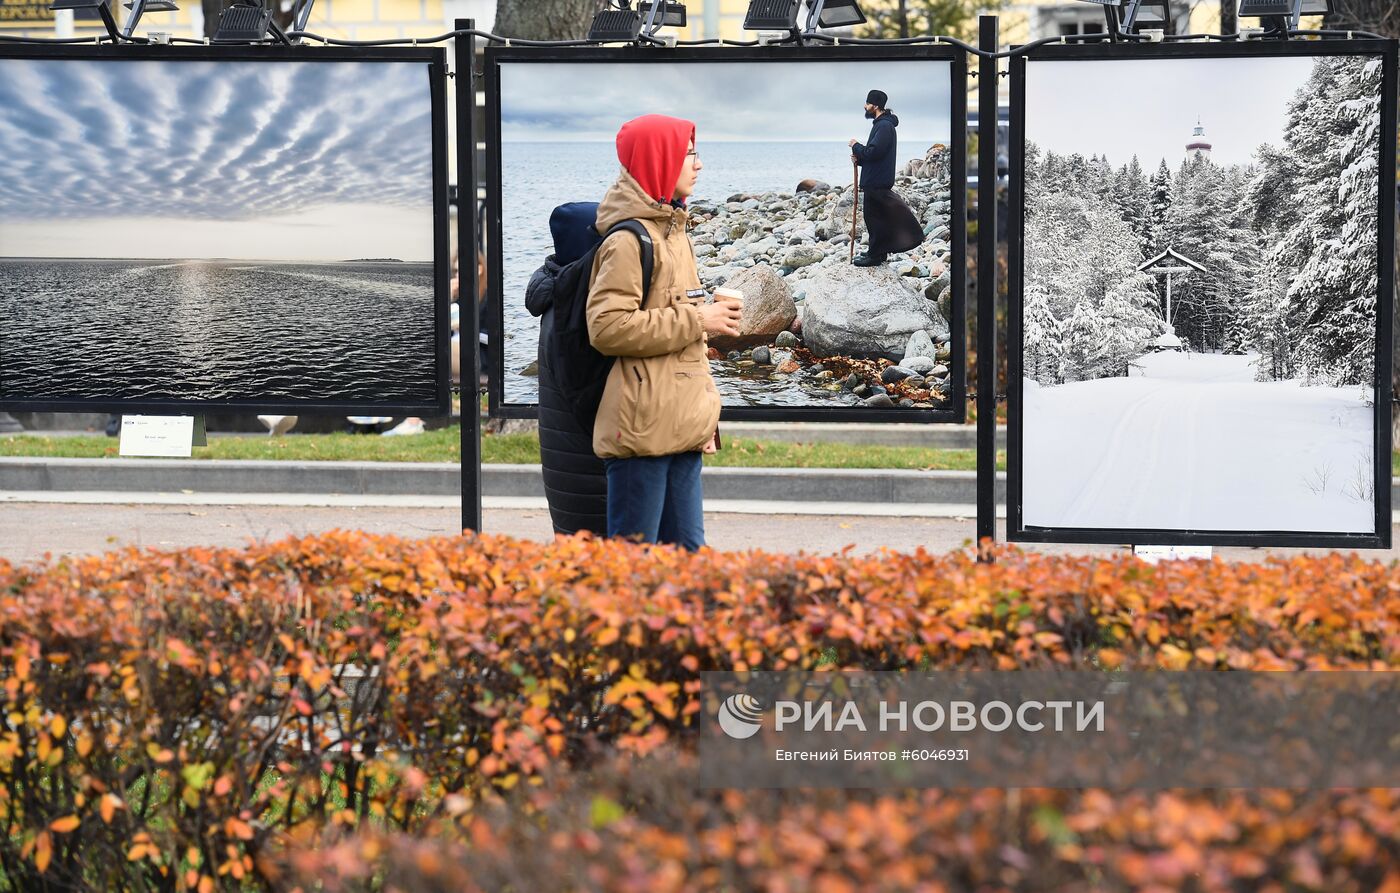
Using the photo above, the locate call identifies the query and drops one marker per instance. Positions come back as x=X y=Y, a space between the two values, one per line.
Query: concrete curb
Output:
x=442 y=479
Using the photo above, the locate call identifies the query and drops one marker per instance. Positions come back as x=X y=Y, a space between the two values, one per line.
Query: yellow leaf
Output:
x=84 y=744
x=65 y=824
x=58 y=725
x=609 y=635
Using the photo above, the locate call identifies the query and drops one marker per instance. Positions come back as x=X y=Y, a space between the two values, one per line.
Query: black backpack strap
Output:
x=636 y=228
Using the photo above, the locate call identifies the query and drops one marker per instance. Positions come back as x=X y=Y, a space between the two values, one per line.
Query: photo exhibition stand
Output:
x=1184 y=49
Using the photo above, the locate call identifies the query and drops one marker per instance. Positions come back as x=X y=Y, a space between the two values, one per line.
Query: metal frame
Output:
x=1380 y=537
x=957 y=365
x=434 y=62
x=468 y=243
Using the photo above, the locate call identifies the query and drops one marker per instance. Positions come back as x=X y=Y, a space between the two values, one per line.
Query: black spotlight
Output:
x=103 y=11
x=835 y=14
x=248 y=23
x=615 y=25
x=771 y=15
x=672 y=15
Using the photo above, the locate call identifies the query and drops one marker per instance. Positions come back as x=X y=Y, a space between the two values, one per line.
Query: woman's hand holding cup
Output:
x=721 y=317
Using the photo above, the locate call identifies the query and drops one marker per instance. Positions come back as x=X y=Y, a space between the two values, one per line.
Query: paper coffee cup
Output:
x=730 y=293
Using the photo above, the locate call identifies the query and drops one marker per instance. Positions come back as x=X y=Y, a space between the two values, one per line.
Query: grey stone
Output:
x=861 y=390
x=893 y=374
x=858 y=312
x=939 y=371
x=802 y=257
x=906 y=402
x=851 y=382
x=749 y=204
x=760 y=355
x=879 y=401
x=787 y=339
x=918 y=345
x=918 y=365
x=703 y=250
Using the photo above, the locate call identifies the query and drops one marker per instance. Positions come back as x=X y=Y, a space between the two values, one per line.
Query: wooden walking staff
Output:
x=855 y=207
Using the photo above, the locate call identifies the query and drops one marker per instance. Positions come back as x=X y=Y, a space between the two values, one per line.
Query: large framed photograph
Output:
x=773 y=215
x=220 y=228
x=1201 y=289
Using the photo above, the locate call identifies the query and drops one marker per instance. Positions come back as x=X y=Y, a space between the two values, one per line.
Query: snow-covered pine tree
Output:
x=1267 y=307
x=1082 y=336
x=1332 y=285
x=1159 y=205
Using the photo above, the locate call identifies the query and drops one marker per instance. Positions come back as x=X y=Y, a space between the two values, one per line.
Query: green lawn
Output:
x=443 y=446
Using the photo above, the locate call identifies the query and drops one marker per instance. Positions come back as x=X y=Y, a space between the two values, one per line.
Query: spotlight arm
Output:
x=657 y=17
x=303 y=15
x=814 y=18
x=109 y=22
x=138 y=9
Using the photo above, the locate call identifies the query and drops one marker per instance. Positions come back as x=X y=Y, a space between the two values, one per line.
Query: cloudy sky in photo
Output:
x=268 y=160
x=1149 y=107
x=730 y=102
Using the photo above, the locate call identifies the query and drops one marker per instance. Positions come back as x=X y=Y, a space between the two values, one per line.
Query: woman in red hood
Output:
x=660 y=408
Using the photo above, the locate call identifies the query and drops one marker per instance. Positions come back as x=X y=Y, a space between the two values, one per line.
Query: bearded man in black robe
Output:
x=893 y=227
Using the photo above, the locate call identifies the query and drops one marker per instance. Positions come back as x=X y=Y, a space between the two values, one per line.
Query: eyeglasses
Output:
x=693 y=154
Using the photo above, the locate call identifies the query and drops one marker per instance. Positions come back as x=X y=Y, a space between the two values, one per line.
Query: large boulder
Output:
x=768 y=308
x=864 y=312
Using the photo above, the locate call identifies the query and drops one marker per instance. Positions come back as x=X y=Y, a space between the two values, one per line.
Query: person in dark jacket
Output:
x=575 y=484
x=893 y=227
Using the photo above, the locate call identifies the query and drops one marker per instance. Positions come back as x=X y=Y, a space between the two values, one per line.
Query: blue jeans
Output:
x=658 y=498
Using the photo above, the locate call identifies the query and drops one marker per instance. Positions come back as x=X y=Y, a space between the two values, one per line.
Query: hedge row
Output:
x=170 y=720
x=630 y=827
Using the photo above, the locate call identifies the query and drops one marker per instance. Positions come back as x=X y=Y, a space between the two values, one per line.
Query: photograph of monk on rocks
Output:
x=774 y=216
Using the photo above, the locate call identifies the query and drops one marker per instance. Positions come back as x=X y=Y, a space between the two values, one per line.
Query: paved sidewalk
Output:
x=32 y=529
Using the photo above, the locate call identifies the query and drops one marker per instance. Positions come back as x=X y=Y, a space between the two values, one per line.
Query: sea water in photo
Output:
x=216 y=330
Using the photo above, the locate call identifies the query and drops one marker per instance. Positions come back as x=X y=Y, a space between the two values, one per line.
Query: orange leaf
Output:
x=43 y=852
x=65 y=824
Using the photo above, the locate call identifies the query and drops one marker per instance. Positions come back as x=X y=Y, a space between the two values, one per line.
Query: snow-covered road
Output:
x=1192 y=442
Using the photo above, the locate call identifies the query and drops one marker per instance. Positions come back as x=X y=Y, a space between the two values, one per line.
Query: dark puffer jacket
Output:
x=575 y=484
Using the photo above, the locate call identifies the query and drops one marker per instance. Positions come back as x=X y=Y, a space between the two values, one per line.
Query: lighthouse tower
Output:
x=1198 y=148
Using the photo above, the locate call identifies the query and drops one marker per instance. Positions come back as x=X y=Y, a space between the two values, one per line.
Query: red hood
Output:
x=652 y=148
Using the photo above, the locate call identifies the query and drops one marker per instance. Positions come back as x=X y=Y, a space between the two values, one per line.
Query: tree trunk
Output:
x=544 y=19
x=903 y=18
x=212 y=10
x=1229 y=24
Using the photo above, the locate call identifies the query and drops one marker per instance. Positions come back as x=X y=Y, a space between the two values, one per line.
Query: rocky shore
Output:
x=878 y=336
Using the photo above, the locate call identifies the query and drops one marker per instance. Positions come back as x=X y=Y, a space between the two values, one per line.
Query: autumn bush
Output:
x=186 y=720
x=640 y=827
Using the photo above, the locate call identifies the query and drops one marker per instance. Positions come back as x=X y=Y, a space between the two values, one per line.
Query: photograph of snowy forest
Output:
x=1199 y=303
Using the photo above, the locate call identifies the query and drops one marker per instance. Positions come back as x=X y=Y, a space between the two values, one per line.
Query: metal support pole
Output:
x=987 y=123
x=469 y=319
